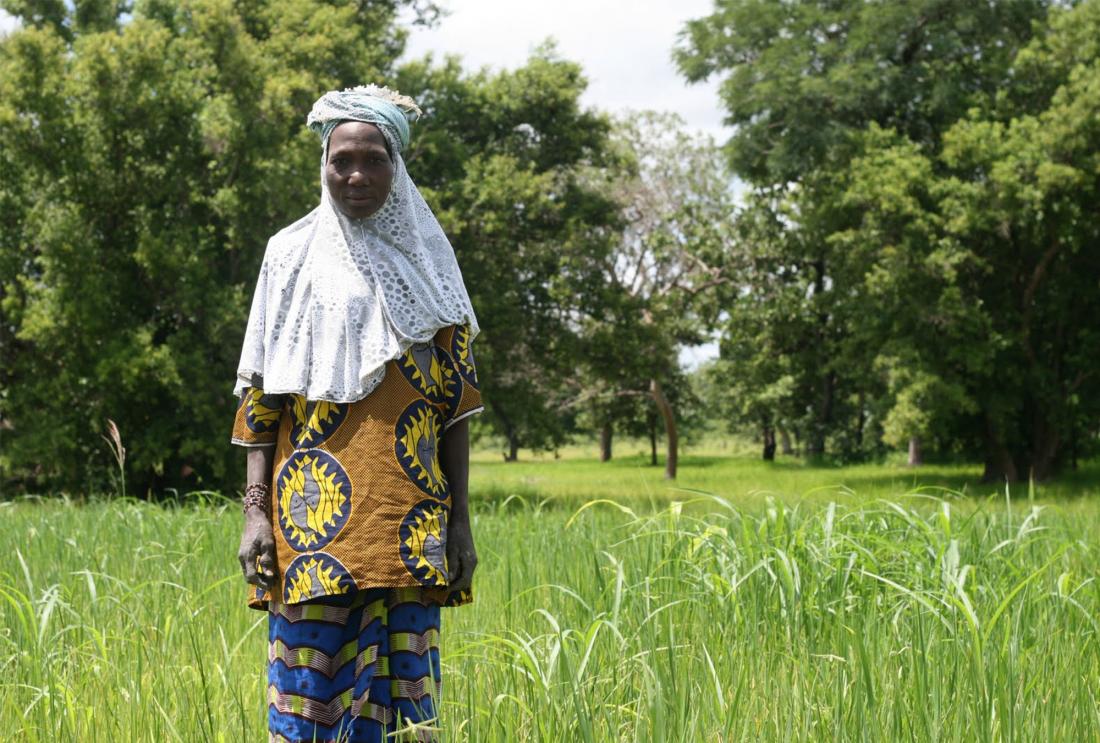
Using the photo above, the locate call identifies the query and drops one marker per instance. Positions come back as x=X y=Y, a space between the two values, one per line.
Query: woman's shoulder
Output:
x=293 y=235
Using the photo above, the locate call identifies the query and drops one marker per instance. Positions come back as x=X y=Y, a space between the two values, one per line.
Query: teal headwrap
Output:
x=386 y=108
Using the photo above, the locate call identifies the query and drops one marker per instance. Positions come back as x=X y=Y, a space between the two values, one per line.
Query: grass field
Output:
x=735 y=471
x=842 y=606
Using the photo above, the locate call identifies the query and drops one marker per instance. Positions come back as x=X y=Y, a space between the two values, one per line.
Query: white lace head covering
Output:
x=339 y=297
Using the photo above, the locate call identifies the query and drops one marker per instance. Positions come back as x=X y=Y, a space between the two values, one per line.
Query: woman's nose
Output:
x=357 y=177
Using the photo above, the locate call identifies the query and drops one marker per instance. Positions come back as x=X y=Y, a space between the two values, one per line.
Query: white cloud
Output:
x=624 y=46
x=8 y=22
x=692 y=357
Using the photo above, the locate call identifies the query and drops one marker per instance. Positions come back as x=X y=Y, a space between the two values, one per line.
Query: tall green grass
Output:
x=907 y=619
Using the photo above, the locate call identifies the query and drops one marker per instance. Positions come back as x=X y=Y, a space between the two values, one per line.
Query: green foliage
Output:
x=920 y=401
x=801 y=78
x=657 y=285
x=925 y=198
x=144 y=165
x=998 y=246
x=915 y=258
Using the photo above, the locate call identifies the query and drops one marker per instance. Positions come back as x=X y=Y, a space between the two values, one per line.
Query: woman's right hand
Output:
x=257 y=552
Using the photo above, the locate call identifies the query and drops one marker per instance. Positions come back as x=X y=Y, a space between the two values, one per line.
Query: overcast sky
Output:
x=624 y=46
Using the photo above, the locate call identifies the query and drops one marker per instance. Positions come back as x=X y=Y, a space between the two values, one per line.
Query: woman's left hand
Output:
x=461 y=555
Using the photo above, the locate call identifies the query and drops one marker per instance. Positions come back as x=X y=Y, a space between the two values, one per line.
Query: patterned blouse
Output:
x=359 y=499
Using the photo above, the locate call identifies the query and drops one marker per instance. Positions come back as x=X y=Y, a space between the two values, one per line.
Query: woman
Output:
x=355 y=382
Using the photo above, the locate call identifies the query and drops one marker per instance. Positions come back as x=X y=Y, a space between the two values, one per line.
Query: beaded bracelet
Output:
x=256 y=495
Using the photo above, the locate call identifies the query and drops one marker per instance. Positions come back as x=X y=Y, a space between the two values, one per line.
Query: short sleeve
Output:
x=458 y=344
x=257 y=419
x=251 y=364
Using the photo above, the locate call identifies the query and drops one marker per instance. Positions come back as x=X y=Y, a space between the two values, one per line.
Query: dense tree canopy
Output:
x=146 y=158
x=924 y=220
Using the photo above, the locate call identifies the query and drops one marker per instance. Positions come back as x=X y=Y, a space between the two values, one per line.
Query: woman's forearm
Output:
x=259 y=464
x=455 y=460
x=456 y=468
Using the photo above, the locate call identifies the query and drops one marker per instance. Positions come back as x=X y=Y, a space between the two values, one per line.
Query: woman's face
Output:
x=359 y=170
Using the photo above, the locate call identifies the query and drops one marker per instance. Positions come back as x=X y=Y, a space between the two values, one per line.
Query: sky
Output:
x=624 y=47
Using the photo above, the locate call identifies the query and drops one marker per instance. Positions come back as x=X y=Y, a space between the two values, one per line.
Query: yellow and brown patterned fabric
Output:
x=359 y=499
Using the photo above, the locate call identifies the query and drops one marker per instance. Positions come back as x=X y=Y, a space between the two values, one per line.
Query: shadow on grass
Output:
x=966 y=480
x=963 y=479
x=573 y=480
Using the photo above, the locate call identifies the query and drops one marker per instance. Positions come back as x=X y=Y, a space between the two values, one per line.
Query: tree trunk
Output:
x=769 y=443
x=605 y=442
x=816 y=445
x=651 y=420
x=999 y=465
x=916 y=456
x=1046 y=446
x=1073 y=442
x=785 y=443
x=861 y=420
x=819 y=426
x=510 y=434
x=670 y=428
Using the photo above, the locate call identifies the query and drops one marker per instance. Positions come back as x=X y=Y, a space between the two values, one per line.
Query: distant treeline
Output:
x=911 y=257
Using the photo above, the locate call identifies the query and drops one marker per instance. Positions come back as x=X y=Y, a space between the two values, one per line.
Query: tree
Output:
x=147 y=155
x=661 y=276
x=999 y=246
x=929 y=342
x=802 y=78
x=500 y=158
x=811 y=87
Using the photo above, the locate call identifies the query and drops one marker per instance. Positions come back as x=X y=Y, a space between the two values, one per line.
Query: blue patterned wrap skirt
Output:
x=357 y=668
